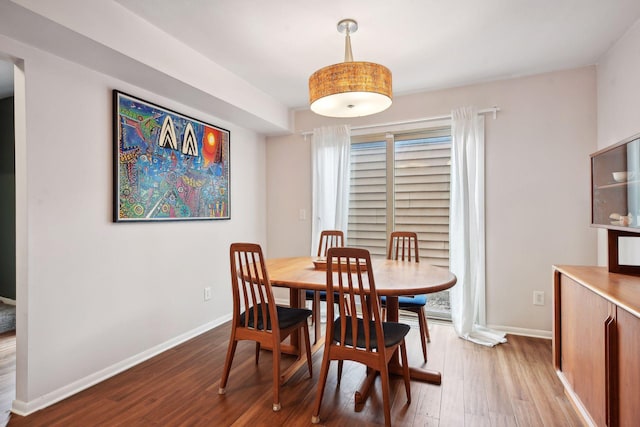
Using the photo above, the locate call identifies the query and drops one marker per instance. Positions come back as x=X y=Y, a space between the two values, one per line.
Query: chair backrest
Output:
x=403 y=246
x=350 y=276
x=330 y=239
x=251 y=287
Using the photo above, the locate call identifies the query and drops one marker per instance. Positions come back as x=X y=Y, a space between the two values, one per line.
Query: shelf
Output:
x=617 y=185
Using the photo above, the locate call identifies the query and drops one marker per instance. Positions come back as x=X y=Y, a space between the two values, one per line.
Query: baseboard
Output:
x=575 y=401
x=22 y=408
x=8 y=301
x=535 y=333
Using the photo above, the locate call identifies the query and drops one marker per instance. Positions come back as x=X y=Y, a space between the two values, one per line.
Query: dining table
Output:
x=393 y=278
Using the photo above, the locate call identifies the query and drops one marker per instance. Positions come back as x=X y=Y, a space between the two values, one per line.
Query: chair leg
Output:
x=426 y=326
x=315 y=315
x=322 y=382
x=405 y=371
x=315 y=307
x=257 y=352
x=307 y=348
x=386 y=398
x=231 y=350
x=276 y=377
x=340 y=363
x=422 y=320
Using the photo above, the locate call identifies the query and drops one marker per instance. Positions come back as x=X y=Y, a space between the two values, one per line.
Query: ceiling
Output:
x=276 y=45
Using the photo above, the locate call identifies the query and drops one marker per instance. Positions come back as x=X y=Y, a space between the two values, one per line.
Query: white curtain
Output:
x=330 y=157
x=467 y=235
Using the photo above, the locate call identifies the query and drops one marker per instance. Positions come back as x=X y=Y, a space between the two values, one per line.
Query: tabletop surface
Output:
x=392 y=278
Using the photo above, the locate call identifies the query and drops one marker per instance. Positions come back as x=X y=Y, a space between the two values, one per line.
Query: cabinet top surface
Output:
x=621 y=289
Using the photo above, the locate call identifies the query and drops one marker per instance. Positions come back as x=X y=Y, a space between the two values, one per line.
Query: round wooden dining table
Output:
x=393 y=279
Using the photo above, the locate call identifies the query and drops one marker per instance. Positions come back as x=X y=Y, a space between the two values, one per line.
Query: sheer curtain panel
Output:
x=467 y=230
x=330 y=158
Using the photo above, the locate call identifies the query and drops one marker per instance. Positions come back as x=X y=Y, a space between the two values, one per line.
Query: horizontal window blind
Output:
x=422 y=182
x=368 y=197
x=402 y=182
x=419 y=176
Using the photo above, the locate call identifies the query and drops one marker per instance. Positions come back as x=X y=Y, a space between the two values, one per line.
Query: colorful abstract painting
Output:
x=168 y=166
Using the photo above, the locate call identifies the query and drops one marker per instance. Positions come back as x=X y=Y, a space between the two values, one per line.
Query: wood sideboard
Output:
x=596 y=343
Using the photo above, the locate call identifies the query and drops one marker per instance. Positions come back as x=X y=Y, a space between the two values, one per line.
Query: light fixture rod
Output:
x=348 y=55
x=347 y=26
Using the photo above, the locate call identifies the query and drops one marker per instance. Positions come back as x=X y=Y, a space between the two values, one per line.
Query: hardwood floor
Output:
x=510 y=385
x=7 y=374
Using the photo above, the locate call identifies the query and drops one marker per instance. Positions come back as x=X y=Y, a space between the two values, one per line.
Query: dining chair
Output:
x=328 y=239
x=362 y=336
x=256 y=317
x=403 y=246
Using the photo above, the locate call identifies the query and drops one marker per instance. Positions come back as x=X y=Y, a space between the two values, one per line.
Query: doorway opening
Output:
x=7 y=241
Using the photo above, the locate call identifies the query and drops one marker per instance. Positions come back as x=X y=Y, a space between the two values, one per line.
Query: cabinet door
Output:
x=583 y=318
x=628 y=331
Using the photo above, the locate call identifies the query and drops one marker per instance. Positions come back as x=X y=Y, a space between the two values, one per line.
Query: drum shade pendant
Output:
x=350 y=89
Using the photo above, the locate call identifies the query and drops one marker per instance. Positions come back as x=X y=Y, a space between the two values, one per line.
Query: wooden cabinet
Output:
x=582 y=318
x=596 y=343
x=628 y=338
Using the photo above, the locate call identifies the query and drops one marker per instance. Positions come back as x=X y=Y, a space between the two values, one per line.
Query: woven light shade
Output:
x=350 y=89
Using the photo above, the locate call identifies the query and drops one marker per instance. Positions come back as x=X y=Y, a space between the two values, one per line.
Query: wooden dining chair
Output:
x=362 y=337
x=403 y=246
x=328 y=239
x=256 y=316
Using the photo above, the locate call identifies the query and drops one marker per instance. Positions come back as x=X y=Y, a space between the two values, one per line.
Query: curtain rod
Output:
x=493 y=110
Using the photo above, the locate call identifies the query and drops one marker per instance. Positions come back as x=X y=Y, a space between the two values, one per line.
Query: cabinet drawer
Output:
x=628 y=337
x=583 y=315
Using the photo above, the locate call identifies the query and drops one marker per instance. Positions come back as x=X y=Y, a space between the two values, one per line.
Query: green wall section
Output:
x=7 y=201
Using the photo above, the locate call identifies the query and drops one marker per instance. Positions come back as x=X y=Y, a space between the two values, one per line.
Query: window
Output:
x=401 y=182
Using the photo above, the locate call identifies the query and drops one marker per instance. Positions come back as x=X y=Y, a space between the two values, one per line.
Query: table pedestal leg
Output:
x=418 y=374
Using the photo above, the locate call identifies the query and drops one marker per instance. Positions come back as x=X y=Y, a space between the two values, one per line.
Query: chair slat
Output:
x=330 y=239
x=403 y=245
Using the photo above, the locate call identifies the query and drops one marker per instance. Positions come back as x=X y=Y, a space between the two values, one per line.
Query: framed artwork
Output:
x=168 y=166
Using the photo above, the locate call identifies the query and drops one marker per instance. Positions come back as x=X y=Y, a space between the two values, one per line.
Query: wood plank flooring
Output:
x=7 y=374
x=510 y=385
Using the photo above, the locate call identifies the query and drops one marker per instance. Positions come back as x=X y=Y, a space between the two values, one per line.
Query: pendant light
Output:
x=350 y=89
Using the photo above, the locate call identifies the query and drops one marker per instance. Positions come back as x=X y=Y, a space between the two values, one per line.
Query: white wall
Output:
x=618 y=100
x=537 y=184
x=95 y=296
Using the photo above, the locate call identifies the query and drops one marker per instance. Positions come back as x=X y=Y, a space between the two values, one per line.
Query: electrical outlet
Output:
x=538 y=298
x=207 y=293
x=302 y=214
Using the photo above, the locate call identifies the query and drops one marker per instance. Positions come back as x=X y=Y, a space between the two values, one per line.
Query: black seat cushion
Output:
x=286 y=316
x=393 y=333
x=323 y=295
x=309 y=295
